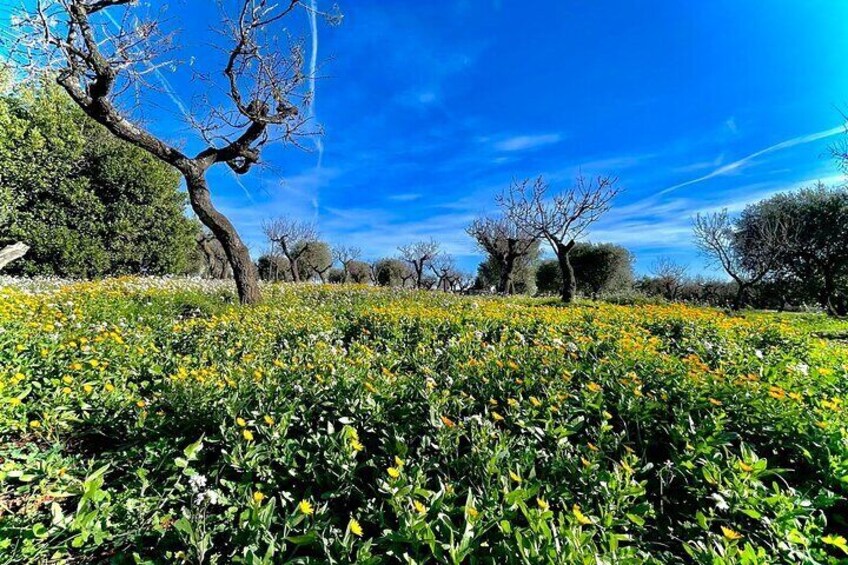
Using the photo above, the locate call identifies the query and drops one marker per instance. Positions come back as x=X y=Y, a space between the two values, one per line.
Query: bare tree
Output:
x=102 y=53
x=419 y=256
x=670 y=275
x=560 y=218
x=292 y=238
x=506 y=243
x=444 y=269
x=347 y=255
x=717 y=238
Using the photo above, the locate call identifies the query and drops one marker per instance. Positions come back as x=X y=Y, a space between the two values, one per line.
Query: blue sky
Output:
x=430 y=109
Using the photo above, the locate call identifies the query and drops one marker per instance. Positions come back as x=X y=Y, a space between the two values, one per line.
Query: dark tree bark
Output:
x=244 y=271
x=569 y=282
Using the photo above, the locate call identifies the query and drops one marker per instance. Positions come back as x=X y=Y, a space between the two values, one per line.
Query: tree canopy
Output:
x=86 y=203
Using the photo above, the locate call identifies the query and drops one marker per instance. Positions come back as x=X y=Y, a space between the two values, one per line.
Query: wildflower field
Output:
x=146 y=421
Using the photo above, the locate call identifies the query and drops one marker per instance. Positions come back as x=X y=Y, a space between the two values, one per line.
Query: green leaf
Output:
x=638 y=520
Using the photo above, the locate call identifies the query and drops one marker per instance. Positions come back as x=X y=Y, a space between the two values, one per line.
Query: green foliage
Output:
x=548 y=277
x=390 y=272
x=148 y=422
x=813 y=264
x=523 y=277
x=601 y=268
x=86 y=203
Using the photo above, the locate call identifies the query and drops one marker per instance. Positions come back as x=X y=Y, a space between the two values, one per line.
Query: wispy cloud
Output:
x=740 y=163
x=406 y=197
x=525 y=142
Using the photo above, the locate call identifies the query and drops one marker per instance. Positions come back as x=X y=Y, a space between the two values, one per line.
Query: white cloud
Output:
x=405 y=197
x=524 y=142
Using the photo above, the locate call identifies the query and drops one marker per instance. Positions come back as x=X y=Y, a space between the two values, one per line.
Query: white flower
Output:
x=210 y=497
x=758 y=353
x=802 y=368
x=197 y=483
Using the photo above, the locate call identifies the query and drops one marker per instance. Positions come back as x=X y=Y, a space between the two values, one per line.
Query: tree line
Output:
x=95 y=192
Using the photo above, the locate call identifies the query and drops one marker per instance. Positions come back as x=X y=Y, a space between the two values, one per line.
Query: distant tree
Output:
x=523 y=279
x=420 y=256
x=507 y=245
x=291 y=238
x=359 y=272
x=443 y=267
x=816 y=254
x=747 y=256
x=316 y=260
x=86 y=204
x=97 y=64
x=345 y=255
x=669 y=275
x=214 y=264
x=392 y=272
x=560 y=218
x=601 y=267
x=273 y=267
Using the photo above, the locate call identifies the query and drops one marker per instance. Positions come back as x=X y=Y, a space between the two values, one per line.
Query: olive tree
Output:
x=747 y=256
x=102 y=53
x=506 y=244
x=559 y=218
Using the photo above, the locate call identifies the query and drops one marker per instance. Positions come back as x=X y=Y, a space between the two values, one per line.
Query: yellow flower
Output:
x=594 y=387
x=732 y=535
x=269 y=420
x=581 y=518
x=745 y=467
x=393 y=472
x=306 y=508
x=471 y=511
x=94 y=362
x=447 y=422
x=15 y=401
x=399 y=462
x=542 y=504
x=258 y=497
x=141 y=404
x=35 y=424
x=354 y=527
x=247 y=434
x=355 y=445
x=109 y=387
x=535 y=401
x=514 y=476
x=67 y=379
x=88 y=389
x=66 y=390
x=715 y=402
x=420 y=508
x=497 y=417
x=241 y=422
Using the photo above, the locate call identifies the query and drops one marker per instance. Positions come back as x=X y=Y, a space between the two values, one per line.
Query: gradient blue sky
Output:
x=431 y=108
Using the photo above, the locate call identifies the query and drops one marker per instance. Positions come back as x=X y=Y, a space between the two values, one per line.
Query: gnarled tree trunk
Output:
x=569 y=283
x=244 y=271
x=12 y=253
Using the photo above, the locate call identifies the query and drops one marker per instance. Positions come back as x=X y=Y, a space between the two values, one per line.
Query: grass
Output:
x=149 y=421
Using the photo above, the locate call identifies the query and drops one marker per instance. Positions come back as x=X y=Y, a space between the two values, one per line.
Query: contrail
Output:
x=730 y=167
x=313 y=65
